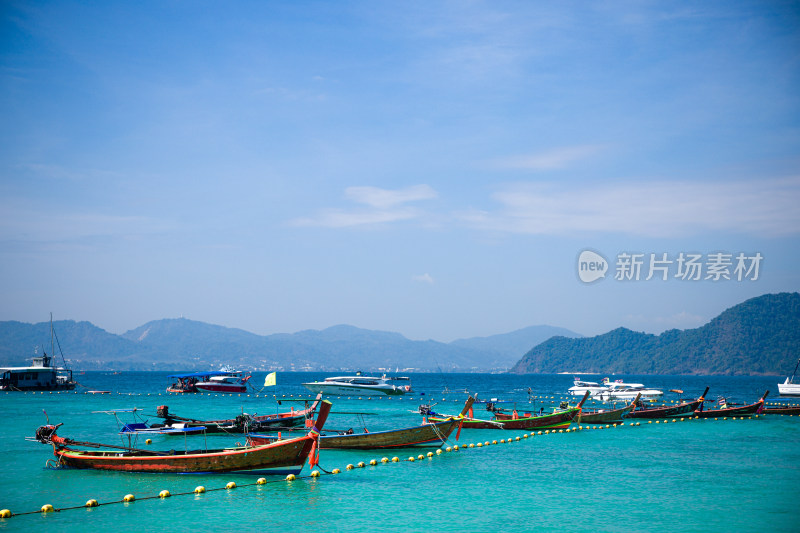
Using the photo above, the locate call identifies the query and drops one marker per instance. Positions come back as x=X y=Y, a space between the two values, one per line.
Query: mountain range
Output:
x=758 y=336
x=185 y=345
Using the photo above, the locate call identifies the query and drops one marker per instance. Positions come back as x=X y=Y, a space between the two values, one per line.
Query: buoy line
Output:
x=130 y=498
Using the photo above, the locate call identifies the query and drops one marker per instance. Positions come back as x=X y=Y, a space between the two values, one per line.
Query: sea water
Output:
x=693 y=475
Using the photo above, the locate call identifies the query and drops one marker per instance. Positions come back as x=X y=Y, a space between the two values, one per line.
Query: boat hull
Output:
x=789 y=389
x=788 y=410
x=424 y=436
x=602 y=417
x=278 y=458
x=216 y=387
x=674 y=411
x=345 y=390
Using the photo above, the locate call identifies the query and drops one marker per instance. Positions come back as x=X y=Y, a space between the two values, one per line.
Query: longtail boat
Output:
x=427 y=435
x=281 y=457
x=243 y=423
x=602 y=416
x=745 y=410
x=782 y=410
x=669 y=411
x=557 y=420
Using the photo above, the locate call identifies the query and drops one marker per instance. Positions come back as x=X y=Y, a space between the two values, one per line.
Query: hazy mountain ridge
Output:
x=182 y=344
x=758 y=336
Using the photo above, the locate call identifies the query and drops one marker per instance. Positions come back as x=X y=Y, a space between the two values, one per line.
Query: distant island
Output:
x=760 y=336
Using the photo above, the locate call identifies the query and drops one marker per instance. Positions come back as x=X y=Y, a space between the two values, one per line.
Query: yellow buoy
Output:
x=230 y=485
x=129 y=498
x=92 y=503
x=455 y=448
x=361 y=464
x=149 y=441
x=395 y=459
x=164 y=494
x=290 y=477
x=263 y=480
x=438 y=451
x=516 y=438
x=47 y=508
x=494 y=442
x=5 y=513
x=411 y=459
x=420 y=457
x=350 y=467
x=373 y=462
x=479 y=445
x=336 y=471
x=315 y=473
x=200 y=489
x=430 y=454
x=385 y=460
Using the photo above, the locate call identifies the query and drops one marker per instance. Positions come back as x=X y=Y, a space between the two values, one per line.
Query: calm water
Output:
x=731 y=475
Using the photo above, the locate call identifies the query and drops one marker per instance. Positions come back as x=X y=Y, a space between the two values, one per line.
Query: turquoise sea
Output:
x=693 y=475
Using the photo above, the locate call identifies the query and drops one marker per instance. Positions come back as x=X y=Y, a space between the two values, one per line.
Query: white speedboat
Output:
x=227 y=380
x=625 y=391
x=359 y=384
x=580 y=387
x=789 y=387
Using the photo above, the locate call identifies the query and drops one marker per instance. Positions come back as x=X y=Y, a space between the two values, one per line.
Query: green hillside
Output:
x=758 y=336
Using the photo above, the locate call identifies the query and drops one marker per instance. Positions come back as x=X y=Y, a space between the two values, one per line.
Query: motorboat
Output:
x=362 y=385
x=230 y=381
x=789 y=387
x=618 y=390
x=580 y=387
x=224 y=380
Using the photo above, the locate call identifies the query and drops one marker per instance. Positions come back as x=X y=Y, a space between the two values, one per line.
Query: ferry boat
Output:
x=789 y=387
x=42 y=375
x=359 y=384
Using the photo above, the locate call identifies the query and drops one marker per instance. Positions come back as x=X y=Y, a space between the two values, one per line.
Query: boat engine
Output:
x=162 y=411
x=44 y=434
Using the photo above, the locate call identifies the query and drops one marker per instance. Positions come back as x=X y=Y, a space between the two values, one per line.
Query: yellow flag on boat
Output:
x=270 y=380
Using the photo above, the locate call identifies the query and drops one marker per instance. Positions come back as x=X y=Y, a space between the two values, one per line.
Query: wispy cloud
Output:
x=549 y=160
x=767 y=207
x=423 y=278
x=382 y=206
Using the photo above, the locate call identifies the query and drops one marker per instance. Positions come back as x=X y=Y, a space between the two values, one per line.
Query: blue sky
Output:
x=430 y=168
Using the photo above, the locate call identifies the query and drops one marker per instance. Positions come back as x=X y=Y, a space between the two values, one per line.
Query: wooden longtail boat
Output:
x=241 y=424
x=601 y=416
x=281 y=457
x=783 y=410
x=559 y=420
x=667 y=411
x=745 y=410
x=428 y=435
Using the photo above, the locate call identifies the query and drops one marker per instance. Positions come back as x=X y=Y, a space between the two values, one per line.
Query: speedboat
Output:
x=789 y=387
x=230 y=381
x=359 y=384
x=625 y=391
x=580 y=387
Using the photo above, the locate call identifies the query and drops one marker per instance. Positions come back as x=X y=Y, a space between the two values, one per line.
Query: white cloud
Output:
x=654 y=209
x=383 y=206
x=423 y=278
x=550 y=160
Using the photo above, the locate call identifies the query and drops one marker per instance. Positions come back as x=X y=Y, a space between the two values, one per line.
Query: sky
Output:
x=439 y=169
